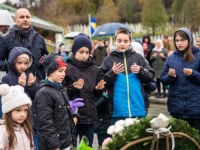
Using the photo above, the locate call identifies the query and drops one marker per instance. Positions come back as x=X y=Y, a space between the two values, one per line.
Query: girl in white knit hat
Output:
x=15 y=127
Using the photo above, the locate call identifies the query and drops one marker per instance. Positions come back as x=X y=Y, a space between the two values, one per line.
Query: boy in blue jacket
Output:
x=125 y=71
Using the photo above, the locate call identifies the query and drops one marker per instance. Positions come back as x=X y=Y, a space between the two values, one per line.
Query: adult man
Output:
x=99 y=53
x=23 y=35
x=167 y=44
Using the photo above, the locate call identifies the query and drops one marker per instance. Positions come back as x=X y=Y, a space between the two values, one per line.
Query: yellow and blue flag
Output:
x=92 y=25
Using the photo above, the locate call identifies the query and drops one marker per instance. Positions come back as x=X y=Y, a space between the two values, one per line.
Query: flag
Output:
x=92 y=25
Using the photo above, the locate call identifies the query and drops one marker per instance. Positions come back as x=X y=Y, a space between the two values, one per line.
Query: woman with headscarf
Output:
x=158 y=57
x=182 y=72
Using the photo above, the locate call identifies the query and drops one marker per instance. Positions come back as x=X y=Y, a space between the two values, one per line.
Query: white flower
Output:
x=128 y=122
x=120 y=123
x=111 y=130
x=118 y=129
x=160 y=122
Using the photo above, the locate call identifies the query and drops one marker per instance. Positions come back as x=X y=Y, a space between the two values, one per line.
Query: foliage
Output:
x=138 y=130
x=153 y=14
x=197 y=15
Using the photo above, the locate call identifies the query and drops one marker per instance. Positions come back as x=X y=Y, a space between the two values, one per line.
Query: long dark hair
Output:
x=188 y=56
x=26 y=125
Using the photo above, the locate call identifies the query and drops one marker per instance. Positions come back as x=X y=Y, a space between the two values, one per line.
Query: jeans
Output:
x=35 y=139
x=85 y=130
x=1 y=114
x=101 y=137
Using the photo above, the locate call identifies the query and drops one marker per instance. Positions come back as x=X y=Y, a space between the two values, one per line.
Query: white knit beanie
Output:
x=13 y=97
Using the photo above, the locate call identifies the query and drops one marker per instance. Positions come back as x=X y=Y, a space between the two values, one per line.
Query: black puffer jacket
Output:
x=55 y=125
x=91 y=75
x=103 y=114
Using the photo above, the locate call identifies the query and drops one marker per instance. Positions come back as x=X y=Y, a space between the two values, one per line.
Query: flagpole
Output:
x=89 y=16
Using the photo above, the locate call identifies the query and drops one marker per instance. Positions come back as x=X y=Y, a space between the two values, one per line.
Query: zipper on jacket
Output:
x=126 y=71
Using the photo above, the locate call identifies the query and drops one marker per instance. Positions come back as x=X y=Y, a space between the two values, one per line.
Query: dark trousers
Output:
x=158 y=85
x=193 y=122
x=1 y=114
x=85 y=130
x=101 y=137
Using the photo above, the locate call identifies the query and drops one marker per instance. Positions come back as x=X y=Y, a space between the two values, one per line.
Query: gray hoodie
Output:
x=5 y=19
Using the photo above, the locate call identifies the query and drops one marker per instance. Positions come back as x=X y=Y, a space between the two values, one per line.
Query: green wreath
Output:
x=138 y=130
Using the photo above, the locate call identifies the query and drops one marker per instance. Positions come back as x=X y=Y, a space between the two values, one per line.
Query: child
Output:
x=145 y=48
x=101 y=127
x=125 y=93
x=15 y=127
x=82 y=66
x=19 y=60
x=54 y=118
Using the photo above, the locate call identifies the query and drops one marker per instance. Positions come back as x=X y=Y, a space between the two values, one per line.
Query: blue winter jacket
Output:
x=125 y=90
x=11 y=78
x=38 y=50
x=184 y=91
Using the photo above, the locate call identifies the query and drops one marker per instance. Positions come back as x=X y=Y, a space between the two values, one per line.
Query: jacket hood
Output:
x=5 y=19
x=146 y=36
x=80 y=64
x=138 y=48
x=187 y=32
x=114 y=48
x=44 y=83
x=15 y=52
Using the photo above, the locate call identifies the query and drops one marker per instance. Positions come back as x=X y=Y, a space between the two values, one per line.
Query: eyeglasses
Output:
x=181 y=40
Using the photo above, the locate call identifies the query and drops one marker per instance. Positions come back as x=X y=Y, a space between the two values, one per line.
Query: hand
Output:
x=135 y=68
x=22 y=79
x=162 y=55
x=75 y=120
x=118 y=68
x=31 y=79
x=100 y=85
x=79 y=84
x=74 y=104
x=187 y=72
x=41 y=59
x=172 y=72
x=154 y=55
x=57 y=149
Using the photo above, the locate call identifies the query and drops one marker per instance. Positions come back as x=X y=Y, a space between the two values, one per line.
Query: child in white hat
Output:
x=15 y=127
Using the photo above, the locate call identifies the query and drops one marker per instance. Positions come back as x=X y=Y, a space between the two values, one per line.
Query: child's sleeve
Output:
x=100 y=76
x=3 y=137
x=165 y=78
x=150 y=87
x=4 y=80
x=146 y=73
x=68 y=84
x=32 y=90
x=109 y=75
x=44 y=116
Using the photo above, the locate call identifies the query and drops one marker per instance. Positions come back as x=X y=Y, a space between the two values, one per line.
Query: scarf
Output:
x=27 y=35
x=146 y=51
x=159 y=49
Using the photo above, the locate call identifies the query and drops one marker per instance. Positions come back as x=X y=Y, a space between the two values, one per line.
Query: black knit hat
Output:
x=81 y=40
x=53 y=62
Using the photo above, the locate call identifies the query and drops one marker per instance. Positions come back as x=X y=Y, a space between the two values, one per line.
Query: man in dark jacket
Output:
x=99 y=53
x=23 y=35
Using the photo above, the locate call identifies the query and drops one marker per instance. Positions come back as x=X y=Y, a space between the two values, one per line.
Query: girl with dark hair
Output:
x=182 y=72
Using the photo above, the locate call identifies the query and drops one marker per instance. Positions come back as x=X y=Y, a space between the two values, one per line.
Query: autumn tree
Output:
x=153 y=14
x=108 y=12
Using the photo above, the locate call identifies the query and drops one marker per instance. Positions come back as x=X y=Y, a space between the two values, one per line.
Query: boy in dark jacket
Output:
x=56 y=118
x=82 y=66
x=100 y=128
x=126 y=71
